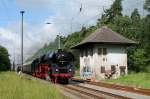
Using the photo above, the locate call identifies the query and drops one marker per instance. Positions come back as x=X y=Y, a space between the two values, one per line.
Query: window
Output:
x=102 y=51
x=102 y=69
x=122 y=70
x=99 y=51
x=113 y=68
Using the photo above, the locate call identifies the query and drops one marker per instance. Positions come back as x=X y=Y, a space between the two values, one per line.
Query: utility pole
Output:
x=59 y=41
x=22 y=12
x=14 y=63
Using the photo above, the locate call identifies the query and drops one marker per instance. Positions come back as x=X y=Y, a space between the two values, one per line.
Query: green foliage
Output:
x=72 y=40
x=121 y=25
x=116 y=8
x=147 y=5
x=145 y=29
x=4 y=59
x=135 y=80
x=111 y=14
x=135 y=16
x=140 y=60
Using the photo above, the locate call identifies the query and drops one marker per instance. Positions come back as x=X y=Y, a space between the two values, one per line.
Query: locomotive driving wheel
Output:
x=66 y=80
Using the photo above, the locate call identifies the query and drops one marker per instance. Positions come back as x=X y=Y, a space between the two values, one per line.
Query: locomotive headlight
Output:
x=70 y=69
x=56 y=70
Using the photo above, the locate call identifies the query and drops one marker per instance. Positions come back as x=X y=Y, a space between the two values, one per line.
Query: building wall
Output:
x=117 y=56
x=90 y=65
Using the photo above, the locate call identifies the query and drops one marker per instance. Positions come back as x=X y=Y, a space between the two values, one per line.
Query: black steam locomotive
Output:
x=55 y=66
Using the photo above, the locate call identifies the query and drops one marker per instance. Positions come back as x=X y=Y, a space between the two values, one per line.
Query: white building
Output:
x=103 y=55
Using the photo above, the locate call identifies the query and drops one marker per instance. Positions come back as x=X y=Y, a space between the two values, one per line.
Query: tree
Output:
x=116 y=8
x=4 y=59
x=136 y=24
x=112 y=13
x=140 y=60
x=122 y=25
x=147 y=5
x=145 y=29
x=83 y=32
x=135 y=16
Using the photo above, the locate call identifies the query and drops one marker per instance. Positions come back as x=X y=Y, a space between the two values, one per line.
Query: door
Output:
x=122 y=70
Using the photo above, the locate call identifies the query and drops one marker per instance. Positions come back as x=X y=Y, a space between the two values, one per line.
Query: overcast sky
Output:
x=63 y=14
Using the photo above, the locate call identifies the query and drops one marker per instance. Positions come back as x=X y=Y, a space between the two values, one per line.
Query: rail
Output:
x=114 y=86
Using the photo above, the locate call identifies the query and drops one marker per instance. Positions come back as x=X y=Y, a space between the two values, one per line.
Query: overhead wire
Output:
x=78 y=13
x=90 y=19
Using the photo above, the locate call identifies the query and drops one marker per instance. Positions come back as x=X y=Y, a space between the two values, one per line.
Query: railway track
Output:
x=77 y=90
x=93 y=93
x=117 y=87
x=81 y=93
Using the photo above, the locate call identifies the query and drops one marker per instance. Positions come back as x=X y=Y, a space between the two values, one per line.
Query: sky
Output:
x=64 y=15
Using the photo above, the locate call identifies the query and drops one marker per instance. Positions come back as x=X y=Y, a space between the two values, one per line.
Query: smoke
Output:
x=34 y=38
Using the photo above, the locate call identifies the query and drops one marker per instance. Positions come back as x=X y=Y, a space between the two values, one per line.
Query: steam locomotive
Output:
x=55 y=66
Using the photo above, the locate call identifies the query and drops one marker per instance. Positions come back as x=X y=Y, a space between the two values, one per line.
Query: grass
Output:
x=13 y=86
x=141 y=80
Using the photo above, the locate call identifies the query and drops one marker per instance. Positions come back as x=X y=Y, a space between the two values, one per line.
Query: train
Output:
x=57 y=66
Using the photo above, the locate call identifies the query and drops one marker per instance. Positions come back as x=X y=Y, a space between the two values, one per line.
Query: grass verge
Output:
x=13 y=86
x=141 y=80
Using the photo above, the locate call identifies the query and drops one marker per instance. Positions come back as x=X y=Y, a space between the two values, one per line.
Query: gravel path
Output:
x=117 y=92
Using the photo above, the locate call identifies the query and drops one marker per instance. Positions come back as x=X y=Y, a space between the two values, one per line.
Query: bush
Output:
x=4 y=59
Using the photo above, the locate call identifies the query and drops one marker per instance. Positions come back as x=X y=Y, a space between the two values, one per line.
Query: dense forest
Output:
x=135 y=27
x=4 y=59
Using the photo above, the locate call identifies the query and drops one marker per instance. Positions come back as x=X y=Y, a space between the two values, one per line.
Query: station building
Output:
x=103 y=55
